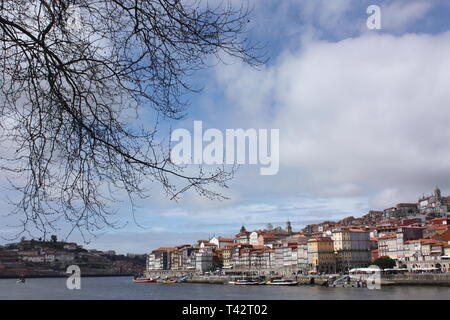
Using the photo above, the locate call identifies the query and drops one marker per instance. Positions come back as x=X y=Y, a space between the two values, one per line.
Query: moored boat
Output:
x=169 y=281
x=143 y=280
x=182 y=279
x=281 y=282
x=246 y=282
x=21 y=280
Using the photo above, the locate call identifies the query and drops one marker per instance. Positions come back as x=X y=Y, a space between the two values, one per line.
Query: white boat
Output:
x=245 y=282
x=21 y=280
x=143 y=280
x=281 y=282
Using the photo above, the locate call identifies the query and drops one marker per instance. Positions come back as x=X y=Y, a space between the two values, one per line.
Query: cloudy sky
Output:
x=363 y=115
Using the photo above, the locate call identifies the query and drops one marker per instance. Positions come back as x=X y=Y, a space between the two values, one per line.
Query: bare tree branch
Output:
x=68 y=93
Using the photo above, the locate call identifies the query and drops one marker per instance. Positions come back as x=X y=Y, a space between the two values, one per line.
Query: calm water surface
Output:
x=124 y=288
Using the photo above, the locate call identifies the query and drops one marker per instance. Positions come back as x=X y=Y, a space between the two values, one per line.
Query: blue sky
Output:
x=363 y=118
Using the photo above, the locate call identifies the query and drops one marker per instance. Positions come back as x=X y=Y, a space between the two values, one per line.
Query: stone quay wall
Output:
x=416 y=279
x=170 y=273
x=229 y=275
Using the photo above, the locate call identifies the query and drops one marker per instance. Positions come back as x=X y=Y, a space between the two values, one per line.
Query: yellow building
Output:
x=227 y=255
x=321 y=257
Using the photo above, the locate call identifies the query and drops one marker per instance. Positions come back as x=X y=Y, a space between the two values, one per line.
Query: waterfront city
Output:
x=414 y=236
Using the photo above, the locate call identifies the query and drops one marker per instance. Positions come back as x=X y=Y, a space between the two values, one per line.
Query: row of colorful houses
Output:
x=416 y=248
x=344 y=248
x=416 y=245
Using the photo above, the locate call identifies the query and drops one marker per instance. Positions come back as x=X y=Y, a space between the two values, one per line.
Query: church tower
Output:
x=288 y=227
x=437 y=193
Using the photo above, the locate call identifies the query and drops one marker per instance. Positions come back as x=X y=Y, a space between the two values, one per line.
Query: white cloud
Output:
x=358 y=117
x=401 y=14
x=355 y=115
x=385 y=198
x=143 y=242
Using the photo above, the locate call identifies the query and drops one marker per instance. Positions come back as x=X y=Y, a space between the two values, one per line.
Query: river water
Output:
x=123 y=288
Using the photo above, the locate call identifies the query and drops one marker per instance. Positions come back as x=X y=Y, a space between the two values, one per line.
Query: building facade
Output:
x=321 y=258
x=352 y=248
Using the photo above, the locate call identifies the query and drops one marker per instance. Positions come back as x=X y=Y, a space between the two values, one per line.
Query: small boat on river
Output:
x=143 y=280
x=246 y=282
x=182 y=279
x=169 y=281
x=21 y=280
x=281 y=282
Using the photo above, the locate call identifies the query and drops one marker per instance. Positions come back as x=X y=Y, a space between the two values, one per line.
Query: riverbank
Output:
x=302 y=280
x=417 y=280
x=320 y=280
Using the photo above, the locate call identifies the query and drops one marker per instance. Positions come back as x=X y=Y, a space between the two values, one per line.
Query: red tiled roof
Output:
x=226 y=239
x=439 y=219
x=319 y=239
x=183 y=245
x=436 y=227
x=267 y=236
x=258 y=246
x=427 y=241
x=165 y=249
x=388 y=236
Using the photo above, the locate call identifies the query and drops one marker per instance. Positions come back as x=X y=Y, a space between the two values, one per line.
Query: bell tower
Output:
x=437 y=193
x=288 y=227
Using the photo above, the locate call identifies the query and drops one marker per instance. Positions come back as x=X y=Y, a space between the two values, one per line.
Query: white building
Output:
x=159 y=259
x=204 y=260
x=253 y=238
x=221 y=242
